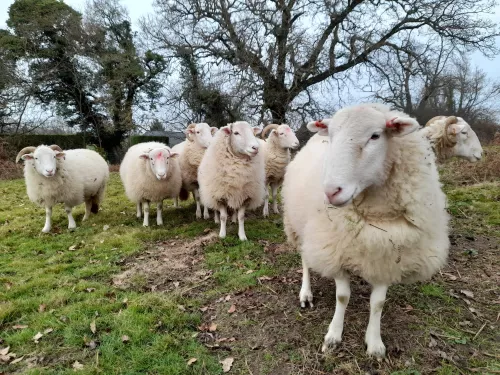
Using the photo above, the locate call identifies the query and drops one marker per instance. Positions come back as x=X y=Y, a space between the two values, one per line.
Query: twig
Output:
x=378 y=227
x=463 y=213
x=270 y=289
x=248 y=367
x=478 y=332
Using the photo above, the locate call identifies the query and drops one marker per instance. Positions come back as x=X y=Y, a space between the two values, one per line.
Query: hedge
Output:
x=65 y=141
x=135 y=139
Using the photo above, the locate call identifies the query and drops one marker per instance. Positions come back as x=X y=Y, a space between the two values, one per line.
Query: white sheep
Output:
x=71 y=177
x=150 y=173
x=276 y=151
x=231 y=174
x=191 y=151
x=366 y=200
x=452 y=136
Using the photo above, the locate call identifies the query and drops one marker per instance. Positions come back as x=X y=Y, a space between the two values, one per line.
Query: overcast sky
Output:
x=138 y=8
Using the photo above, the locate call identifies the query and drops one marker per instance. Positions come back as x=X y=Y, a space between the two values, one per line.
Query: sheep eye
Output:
x=151 y=159
x=465 y=132
x=36 y=158
x=281 y=133
x=197 y=132
x=375 y=136
x=236 y=133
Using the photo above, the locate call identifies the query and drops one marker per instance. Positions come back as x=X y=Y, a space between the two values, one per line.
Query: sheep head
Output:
x=44 y=158
x=356 y=153
x=242 y=138
x=283 y=135
x=158 y=160
x=201 y=134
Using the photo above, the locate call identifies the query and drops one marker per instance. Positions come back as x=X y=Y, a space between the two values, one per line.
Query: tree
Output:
x=288 y=46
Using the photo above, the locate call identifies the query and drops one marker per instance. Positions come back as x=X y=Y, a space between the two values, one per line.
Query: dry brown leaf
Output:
x=5 y=351
x=227 y=364
x=47 y=331
x=93 y=327
x=72 y=248
x=77 y=366
x=232 y=309
x=125 y=338
x=467 y=293
x=176 y=284
x=228 y=297
x=20 y=326
x=213 y=327
x=41 y=308
x=191 y=361
x=181 y=307
x=204 y=308
x=37 y=337
x=432 y=343
x=17 y=360
x=90 y=290
x=263 y=278
x=450 y=276
x=249 y=272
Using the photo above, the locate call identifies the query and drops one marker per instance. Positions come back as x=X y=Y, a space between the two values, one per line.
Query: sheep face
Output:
x=468 y=145
x=158 y=160
x=286 y=137
x=242 y=138
x=201 y=133
x=44 y=160
x=356 y=156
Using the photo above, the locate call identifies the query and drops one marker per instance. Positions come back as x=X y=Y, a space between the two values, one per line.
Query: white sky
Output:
x=139 y=8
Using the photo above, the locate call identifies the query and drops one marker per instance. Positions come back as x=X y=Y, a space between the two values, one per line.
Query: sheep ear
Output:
x=401 y=126
x=455 y=129
x=320 y=127
x=27 y=157
x=173 y=154
x=256 y=130
x=226 y=129
x=60 y=155
x=144 y=156
x=213 y=130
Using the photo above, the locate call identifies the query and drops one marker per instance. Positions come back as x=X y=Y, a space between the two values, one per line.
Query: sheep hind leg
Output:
x=241 y=224
x=206 y=214
x=305 y=295
x=334 y=335
x=159 y=218
x=223 y=222
x=139 y=210
x=266 y=203
x=71 y=220
x=234 y=217
x=48 y=220
x=88 y=207
x=145 y=206
x=373 y=340
x=216 y=217
x=176 y=202
x=274 y=189
x=196 y=194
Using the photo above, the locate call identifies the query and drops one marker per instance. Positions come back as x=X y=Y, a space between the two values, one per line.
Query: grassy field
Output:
x=113 y=297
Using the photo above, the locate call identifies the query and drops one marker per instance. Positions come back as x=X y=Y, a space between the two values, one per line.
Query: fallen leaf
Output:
x=93 y=327
x=249 y=272
x=125 y=338
x=77 y=366
x=232 y=309
x=125 y=300
x=213 y=327
x=8 y=285
x=37 y=337
x=432 y=343
x=47 y=331
x=180 y=307
x=17 y=360
x=90 y=290
x=450 y=276
x=72 y=248
x=228 y=297
x=20 y=326
x=41 y=308
x=408 y=308
x=467 y=293
x=176 y=284
x=465 y=323
x=191 y=361
x=263 y=278
x=106 y=227
x=227 y=364
x=204 y=308
x=5 y=351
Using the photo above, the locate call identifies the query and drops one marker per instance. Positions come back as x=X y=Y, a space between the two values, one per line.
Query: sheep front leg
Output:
x=48 y=220
x=334 y=335
x=88 y=207
x=176 y=202
x=305 y=295
x=71 y=221
x=139 y=210
x=266 y=203
x=145 y=206
x=206 y=214
x=274 y=188
x=373 y=340
x=159 y=219
x=223 y=222
x=216 y=217
x=196 y=194
x=241 y=224
x=234 y=217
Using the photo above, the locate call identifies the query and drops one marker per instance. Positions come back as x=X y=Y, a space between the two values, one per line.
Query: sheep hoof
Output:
x=276 y=211
x=216 y=220
x=72 y=227
x=305 y=298
x=206 y=216
x=243 y=238
x=145 y=225
x=45 y=230
x=266 y=213
x=331 y=343
x=376 y=349
x=159 y=223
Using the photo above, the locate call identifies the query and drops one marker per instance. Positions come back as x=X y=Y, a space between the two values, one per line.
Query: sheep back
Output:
x=189 y=162
x=394 y=233
x=228 y=179
x=276 y=160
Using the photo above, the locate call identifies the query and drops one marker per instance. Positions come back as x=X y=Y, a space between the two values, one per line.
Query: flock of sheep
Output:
x=362 y=197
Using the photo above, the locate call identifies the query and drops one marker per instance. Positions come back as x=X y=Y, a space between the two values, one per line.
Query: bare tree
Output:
x=288 y=46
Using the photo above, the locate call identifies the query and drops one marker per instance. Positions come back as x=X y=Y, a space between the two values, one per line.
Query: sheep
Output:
x=452 y=136
x=150 y=173
x=276 y=156
x=71 y=177
x=366 y=200
x=231 y=174
x=191 y=151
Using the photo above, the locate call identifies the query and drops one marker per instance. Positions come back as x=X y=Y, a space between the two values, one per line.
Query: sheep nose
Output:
x=161 y=174
x=256 y=148
x=49 y=171
x=332 y=193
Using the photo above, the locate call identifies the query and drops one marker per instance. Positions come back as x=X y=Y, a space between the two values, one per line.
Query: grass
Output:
x=63 y=283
